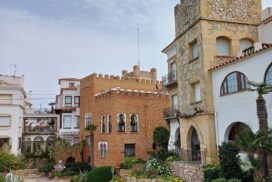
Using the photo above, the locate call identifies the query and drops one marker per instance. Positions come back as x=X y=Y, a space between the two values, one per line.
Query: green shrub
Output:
x=161 y=155
x=229 y=162
x=76 y=178
x=2 y=178
x=248 y=176
x=117 y=179
x=173 y=158
x=128 y=162
x=78 y=166
x=66 y=173
x=46 y=168
x=9 y=161
x=220 y=180
x=161 y=136
x=101 y=174
x=211 y=172
x=234 y=180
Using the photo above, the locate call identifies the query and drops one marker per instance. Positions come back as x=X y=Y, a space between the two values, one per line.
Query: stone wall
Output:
x=188 y=172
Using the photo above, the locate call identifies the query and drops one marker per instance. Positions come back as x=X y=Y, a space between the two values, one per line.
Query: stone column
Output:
x=45 y=146
x=31 y=150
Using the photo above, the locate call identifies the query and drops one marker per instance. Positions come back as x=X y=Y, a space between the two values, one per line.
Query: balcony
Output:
x=171 y=112
x=170 y=79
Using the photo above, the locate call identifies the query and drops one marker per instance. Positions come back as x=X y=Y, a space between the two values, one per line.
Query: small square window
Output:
x=71 y=84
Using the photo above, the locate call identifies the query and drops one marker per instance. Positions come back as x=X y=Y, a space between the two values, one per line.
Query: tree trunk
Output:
x=262 y=114
x=263 y=126
x=262 y=171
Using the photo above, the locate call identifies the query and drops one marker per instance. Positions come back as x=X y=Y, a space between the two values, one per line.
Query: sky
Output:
x=52 y=39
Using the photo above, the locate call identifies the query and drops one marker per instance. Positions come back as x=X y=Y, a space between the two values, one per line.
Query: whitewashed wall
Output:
x=240 y=107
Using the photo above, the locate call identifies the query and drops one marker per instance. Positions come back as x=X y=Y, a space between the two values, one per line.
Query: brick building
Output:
x=125 y=110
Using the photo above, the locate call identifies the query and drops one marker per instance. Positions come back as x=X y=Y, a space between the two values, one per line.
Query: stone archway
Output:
x=38 y=145
x=177 y=137
x=194 y=142
x=234 y=130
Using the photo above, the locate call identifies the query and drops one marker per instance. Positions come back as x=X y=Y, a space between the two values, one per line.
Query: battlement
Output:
x=129 y=92
x=134 y=79
x=137 y=73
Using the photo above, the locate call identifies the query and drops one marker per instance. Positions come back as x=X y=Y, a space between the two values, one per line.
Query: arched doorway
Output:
x=26 y=145
x=194 y=151
x=234 y=130
x=177 y=138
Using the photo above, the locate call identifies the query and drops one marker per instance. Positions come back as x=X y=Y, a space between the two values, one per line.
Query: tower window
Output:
x=121 y=126
x=223 y=46
x=134 y=123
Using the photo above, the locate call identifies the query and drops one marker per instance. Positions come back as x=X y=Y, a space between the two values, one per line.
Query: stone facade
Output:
x=201 y=23
x=188 y=172
x=106 y=96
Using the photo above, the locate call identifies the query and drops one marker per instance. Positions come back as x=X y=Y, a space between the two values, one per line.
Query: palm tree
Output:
x=255 y=143
x=91 y=128
x=262 y=89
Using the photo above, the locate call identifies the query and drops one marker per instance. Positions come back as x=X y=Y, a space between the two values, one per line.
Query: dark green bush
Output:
x=211 y=172
x=128 y=162
x=46 y=168
x=248 y=176
x=9 y=161
x=229 y=161
x=220 y=180
x=161 y=136
x=100 y=174
x=66 y=173
x=76 y=178
x=78 y=166
x=161 y=155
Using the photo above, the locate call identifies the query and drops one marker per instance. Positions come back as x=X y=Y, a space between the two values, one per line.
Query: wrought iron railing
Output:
x=170 y=78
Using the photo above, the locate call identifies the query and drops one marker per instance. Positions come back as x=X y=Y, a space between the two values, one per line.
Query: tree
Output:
x=91 y=128
x=262 y=89
x=161 y=136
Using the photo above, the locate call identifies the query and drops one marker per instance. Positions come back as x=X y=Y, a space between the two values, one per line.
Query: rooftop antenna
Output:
x=15 y=68
x=138 y=30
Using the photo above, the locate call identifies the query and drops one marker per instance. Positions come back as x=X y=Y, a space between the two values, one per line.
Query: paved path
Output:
x=31 y=175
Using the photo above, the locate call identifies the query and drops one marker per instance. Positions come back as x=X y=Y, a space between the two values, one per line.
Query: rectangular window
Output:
x=129 y=150
x=121 y=122
x=197 y=92
x=5 y=99
x=68 y=101
x=5 y=121
x=109 y=123
x=71 y=84
x=134 y=123
x=88 y=119
x=194 y=49
x=76 y=101
x=76 y=122
x=88 y=140
x=173 y=72
x=67 y=122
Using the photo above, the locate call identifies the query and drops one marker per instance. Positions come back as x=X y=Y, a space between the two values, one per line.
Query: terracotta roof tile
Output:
x=269 y=46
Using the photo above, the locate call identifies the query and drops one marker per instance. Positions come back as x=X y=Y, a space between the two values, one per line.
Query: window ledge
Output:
x=193 y=59
x=198 y=102
x=233 y=93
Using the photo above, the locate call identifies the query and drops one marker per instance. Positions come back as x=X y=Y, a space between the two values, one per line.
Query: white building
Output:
x=68 y=106
x=12 y=95
x=235 y=106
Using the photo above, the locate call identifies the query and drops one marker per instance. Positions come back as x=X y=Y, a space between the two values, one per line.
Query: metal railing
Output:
x=170 y=78
x=171 y=112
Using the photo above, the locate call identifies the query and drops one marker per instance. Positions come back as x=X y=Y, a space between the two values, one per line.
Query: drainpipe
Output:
x=216 y=129
x=145 y=113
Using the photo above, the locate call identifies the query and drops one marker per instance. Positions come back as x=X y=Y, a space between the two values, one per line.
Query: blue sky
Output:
x=50 y=39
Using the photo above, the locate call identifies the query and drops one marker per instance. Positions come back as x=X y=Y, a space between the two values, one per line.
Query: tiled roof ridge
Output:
x=236 y=59
x=266 y=20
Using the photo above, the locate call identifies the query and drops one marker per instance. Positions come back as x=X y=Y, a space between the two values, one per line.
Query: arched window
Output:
x=223 y=46
x=121 y=123
x=268 y=75
x=134 y=123
x=245 y=44
x=102 y=147
x=109 y=123
x=103 y=126
x=234 y=82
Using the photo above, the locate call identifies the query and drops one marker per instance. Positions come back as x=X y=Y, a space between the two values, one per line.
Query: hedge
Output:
x=101 y=174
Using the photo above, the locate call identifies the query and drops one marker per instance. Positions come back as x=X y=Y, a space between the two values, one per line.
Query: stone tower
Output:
x=207 y=32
